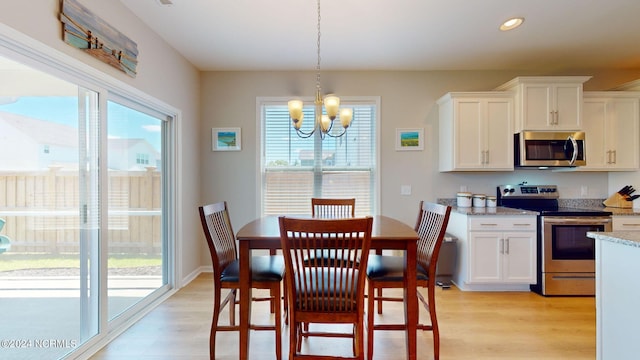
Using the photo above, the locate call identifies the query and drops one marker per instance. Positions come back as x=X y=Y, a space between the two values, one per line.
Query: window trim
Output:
x=280 y=100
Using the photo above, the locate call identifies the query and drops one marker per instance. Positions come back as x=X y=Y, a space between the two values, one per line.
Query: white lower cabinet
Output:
x=502 y=257
x=494 y=252
x=625 y=223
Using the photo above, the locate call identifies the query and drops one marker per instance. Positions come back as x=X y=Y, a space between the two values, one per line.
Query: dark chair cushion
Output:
x=263 y=268
x=390 y=268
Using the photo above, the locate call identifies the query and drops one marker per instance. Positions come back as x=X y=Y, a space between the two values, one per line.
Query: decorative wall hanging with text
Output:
x=86 y=31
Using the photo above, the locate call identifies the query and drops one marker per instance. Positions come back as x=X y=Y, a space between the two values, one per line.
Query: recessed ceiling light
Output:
x=165 y=2
x=511 y=23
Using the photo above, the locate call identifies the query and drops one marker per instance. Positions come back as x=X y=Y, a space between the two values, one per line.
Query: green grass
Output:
x=47 y=261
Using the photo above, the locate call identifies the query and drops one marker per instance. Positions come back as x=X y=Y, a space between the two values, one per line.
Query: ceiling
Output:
x=398 y=34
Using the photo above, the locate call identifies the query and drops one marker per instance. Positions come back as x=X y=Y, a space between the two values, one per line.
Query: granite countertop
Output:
x=500 y=210
x=629 y=238
x=595 y=204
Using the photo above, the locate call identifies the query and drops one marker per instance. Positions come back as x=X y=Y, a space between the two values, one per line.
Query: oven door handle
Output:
x=577 y=220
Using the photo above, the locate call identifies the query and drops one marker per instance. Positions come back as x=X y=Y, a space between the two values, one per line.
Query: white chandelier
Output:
x=331 y=104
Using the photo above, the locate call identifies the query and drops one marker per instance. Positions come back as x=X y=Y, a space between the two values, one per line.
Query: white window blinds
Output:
x=295 y=169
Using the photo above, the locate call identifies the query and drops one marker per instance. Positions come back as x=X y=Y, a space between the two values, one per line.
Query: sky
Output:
x=123 y=122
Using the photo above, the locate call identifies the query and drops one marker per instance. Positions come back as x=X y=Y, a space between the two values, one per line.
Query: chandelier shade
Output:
x=331 y=103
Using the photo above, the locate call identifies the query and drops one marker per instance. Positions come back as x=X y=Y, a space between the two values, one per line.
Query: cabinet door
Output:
x=499 y=137
x=595 y=125
x=469 y=133
x=485 y=258
x=519 y=256
x=567 y=103
x=536 y=106
x=623 y=133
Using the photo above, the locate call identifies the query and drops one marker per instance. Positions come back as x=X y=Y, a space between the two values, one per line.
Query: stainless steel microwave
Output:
x=549 y=149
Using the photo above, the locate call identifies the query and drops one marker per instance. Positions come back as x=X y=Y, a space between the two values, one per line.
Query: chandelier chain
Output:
x=318 y=64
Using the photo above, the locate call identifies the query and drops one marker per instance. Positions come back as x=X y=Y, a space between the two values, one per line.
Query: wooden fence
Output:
x=42 y=211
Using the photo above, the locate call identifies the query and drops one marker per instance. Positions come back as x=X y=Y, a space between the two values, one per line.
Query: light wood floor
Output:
x=473 y=325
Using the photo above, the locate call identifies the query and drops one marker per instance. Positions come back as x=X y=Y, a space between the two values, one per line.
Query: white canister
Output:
x=464 y=199
x=492 y=201
x=479 y=200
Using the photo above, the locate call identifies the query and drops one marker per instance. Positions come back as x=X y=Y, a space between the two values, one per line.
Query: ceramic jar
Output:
x=463 y=199
x=479 y=200
x=492 y=201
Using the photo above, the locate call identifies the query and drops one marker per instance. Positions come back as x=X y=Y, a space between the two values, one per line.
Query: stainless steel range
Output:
x=566 y=256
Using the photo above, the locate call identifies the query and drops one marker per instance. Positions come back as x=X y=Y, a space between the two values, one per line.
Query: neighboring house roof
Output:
x=42 y=131
x=119 y=144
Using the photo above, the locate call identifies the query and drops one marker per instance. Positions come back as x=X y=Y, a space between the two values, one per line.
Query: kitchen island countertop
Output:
x=629 y=238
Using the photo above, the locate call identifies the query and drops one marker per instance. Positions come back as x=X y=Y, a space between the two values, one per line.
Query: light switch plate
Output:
x=405 y=190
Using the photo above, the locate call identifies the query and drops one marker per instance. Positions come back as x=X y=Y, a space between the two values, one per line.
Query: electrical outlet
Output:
x=405 y=190
x=584 y=190
x=463 y=188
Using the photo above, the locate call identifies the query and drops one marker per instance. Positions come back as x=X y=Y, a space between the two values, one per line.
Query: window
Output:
x=142 y=159
x=294 y=169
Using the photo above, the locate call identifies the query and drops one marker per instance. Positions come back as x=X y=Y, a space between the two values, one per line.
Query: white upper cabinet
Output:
x=476 y=131
x=612 y=130
x=547 y=102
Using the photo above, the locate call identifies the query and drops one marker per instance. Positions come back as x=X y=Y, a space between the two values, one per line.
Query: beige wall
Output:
x=407 y=100
x=162 y=73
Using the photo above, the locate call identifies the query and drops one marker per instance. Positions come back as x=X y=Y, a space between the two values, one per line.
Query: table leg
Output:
x=411 y=300
x=245 y=298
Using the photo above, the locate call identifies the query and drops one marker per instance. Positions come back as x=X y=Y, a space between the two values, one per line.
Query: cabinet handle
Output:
x=615 y=156
x=506 y=247
x=485 y=157
x=488 y=224
x=556 y=119
x=521 y=224
x=608 y=156
x=630 y=224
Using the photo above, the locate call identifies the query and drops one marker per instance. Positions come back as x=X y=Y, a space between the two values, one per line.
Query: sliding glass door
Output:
x=83 y=211
x=135 y=177
x=49 y=205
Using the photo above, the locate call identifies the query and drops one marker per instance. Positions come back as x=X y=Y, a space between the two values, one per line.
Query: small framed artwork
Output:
x=409 y=139
x=226 y=139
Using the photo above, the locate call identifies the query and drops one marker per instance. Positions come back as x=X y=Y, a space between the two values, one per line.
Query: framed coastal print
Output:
x=226 y=139
x=409 y=139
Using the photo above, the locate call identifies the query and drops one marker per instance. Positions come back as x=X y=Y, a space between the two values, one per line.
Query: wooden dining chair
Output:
x=267 y=272
x=325 y=293
x=333 y=208
x=385 y=271
x=330 y=209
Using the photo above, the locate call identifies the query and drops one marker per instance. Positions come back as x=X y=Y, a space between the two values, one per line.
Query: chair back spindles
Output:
x=333 y=208
x=431 y=227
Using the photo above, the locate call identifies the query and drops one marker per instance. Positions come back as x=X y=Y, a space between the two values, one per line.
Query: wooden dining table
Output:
x=387 y=234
